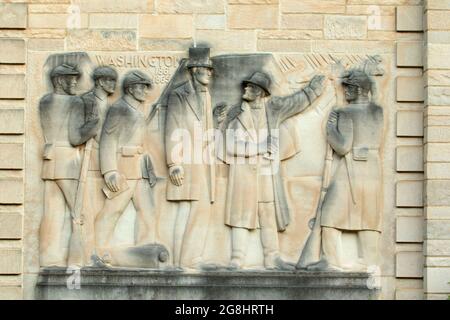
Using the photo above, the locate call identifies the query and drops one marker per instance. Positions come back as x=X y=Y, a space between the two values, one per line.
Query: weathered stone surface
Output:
x=106 y=40
x=312 y=6
x=253 y=1
x=437 y=248
x=119 y=6
x=437 y=134
x=437 y=212
x=437 y=56
x=437 y=20
x=410 y=158
x=113 y=21
x=438 y=230
x=164 y=44
x=438 y=36
x=252 y=17
x=438 y=96
x=409 y=123
x=11 y=191
x=437 y=261
x=10 y=293
x=370 y=9
x=353 y=46
x=410 y=89
x=437 y=152
x=10 y=225
x=345 y=27
x=302 y=21
x=56 y=21
x=409 y=18
x=166 y=26
x=13 y=86
x=409 y=54
x=45 y=44
x=12 y=121
x=13 y=51
x=193 y=6
x=438 y=193
x=229 y=41
x=409 y=194
x=438 y=4
x=437 y=77
x=10 y=261
x=11 y=156
x=48 y=8
x=13 y=15
x=284 y=45
x=290 y=34
x=436 y=280
x=210 y=21
x=409 y=265
x=409 y=294
x=437 y=170
x=409 y=229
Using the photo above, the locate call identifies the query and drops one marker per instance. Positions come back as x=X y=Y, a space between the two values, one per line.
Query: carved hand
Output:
x=332 y=119
x=317 y=84
x=220 y=112
x=176 y=175
x=112 y=181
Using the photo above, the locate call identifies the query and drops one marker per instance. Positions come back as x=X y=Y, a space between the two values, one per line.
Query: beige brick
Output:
x=410 y=89
x=409 y=123
x=371 y=10
x=353 y=47
x=105 y=40
x=48 y=8
x=438 y=96
x=46 y=44
x=436 y=280
x=437 y=212
x=437 y=261
x=409 y=18
x=113 y=21
x=409 y=54
x=437 y=152
x=437 y=247
x=437 y=171
x=438 y=4
x=437 y=77
x=313 y=6
x=11 y=156
x=432 y=296
x=164 y=44
x=115 y=6
x=409 y=265
x=13 y=86
x=438 y=56
x=229 y=41
x=409 y=294
x=410 y=229
x=55 y=21
x=438 y=230
x=192 y=6
x=210 y=21
x=10 y=261
x=13 y=15
x=284 y=45
x=253 y=1
x=252 y=17
x=409 y=194
x=290 y=34
x=166 y=26
x=10 y=293
x=410 y=159
x=10 y=225
x=11 y=191
x=345 y=27
x=438 y=193
x=12 y=51
x=12 y=121
x=437 y=134
x=438 y=37
x=438 y=20
x=302 y=21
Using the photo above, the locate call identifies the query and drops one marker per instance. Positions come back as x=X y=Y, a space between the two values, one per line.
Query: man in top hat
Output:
x=85 y=129
x=191 y=159
x=255 y=197
x=61 y=166
x=123 y=165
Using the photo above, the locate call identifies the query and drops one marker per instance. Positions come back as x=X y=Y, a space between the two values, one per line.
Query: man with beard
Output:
x=85 y=128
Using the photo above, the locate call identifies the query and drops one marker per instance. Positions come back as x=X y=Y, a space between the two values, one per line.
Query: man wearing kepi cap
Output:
x=122 y=164
x=191 y=159
x=61 y=166
x=255 y=197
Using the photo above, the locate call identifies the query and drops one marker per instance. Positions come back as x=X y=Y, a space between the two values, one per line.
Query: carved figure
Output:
x=255 y=197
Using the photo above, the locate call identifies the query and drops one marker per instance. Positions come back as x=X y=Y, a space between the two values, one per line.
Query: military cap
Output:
x=199 y=57
x=261 y=80
x=357 y=78
x=104 y=72
x=64 y=70
x=135 y=77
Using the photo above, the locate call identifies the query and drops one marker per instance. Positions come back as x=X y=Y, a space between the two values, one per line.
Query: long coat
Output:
x=243 y=189
x=185 y=116
x=353 y=201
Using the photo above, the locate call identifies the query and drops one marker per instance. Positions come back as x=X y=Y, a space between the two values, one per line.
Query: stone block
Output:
x=437 y=77
x=192 y=6
x=438 y=248
x=437 y=261
x=409 y=54
x=11 y=293
x=409 y=294
x=13 y=86
x=436 y=280
x=438 y=4
x=229 y=41
x=210 y=21
x=253 y=1
x=164 y=44
x=115 y=6
x=409 y=229
x=409 y=194
x=12 y=121
x=353 y=47
x=410 y=89
x=11 y=156
x=10 y=261
x=410 y=124
x=438 y=230
x=438 y=96
x=437 y=170
x=48 y=8
x=437 y=152
x=12 y=51
x=170 y=26
x=56 y=21
x=302 y=21
x=437 y=56
x=409 y=158
x=46 y=44
x=10 y=225
x=437 y=213
x=105 y=40
x=409 y=18
x=313 y=6
x=11 y=191
x=438 y=193
x=438 y=36
x=345 y=27
x=252 y=17
x=113 y=21
x=284 y=45
x=409 y=264
x=290 y=34
x=437 y=20
x=13 y=15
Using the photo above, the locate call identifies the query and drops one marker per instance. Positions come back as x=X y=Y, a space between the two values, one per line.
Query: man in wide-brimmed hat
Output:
x=255 y=197
x=190 y=159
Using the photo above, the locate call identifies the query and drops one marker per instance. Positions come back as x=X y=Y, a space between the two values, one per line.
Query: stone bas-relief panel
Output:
x=253 y=161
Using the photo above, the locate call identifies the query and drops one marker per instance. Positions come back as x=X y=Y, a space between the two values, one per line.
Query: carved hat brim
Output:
x=266 y=90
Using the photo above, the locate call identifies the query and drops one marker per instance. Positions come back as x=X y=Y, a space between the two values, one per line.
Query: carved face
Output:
x=202 y=75
x=68 y=84
x=352 y=92
x=108 y=84
x=139 y=91
x=252 y=92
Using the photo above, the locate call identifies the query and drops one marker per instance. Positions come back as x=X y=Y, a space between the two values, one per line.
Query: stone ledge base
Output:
x=136 y=284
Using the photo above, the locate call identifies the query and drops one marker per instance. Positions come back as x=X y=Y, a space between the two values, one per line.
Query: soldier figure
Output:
x=123 y=164
x=85 y=128
x=255 y=197
x=61 y=168
x=191 y=163
x=353 y=201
